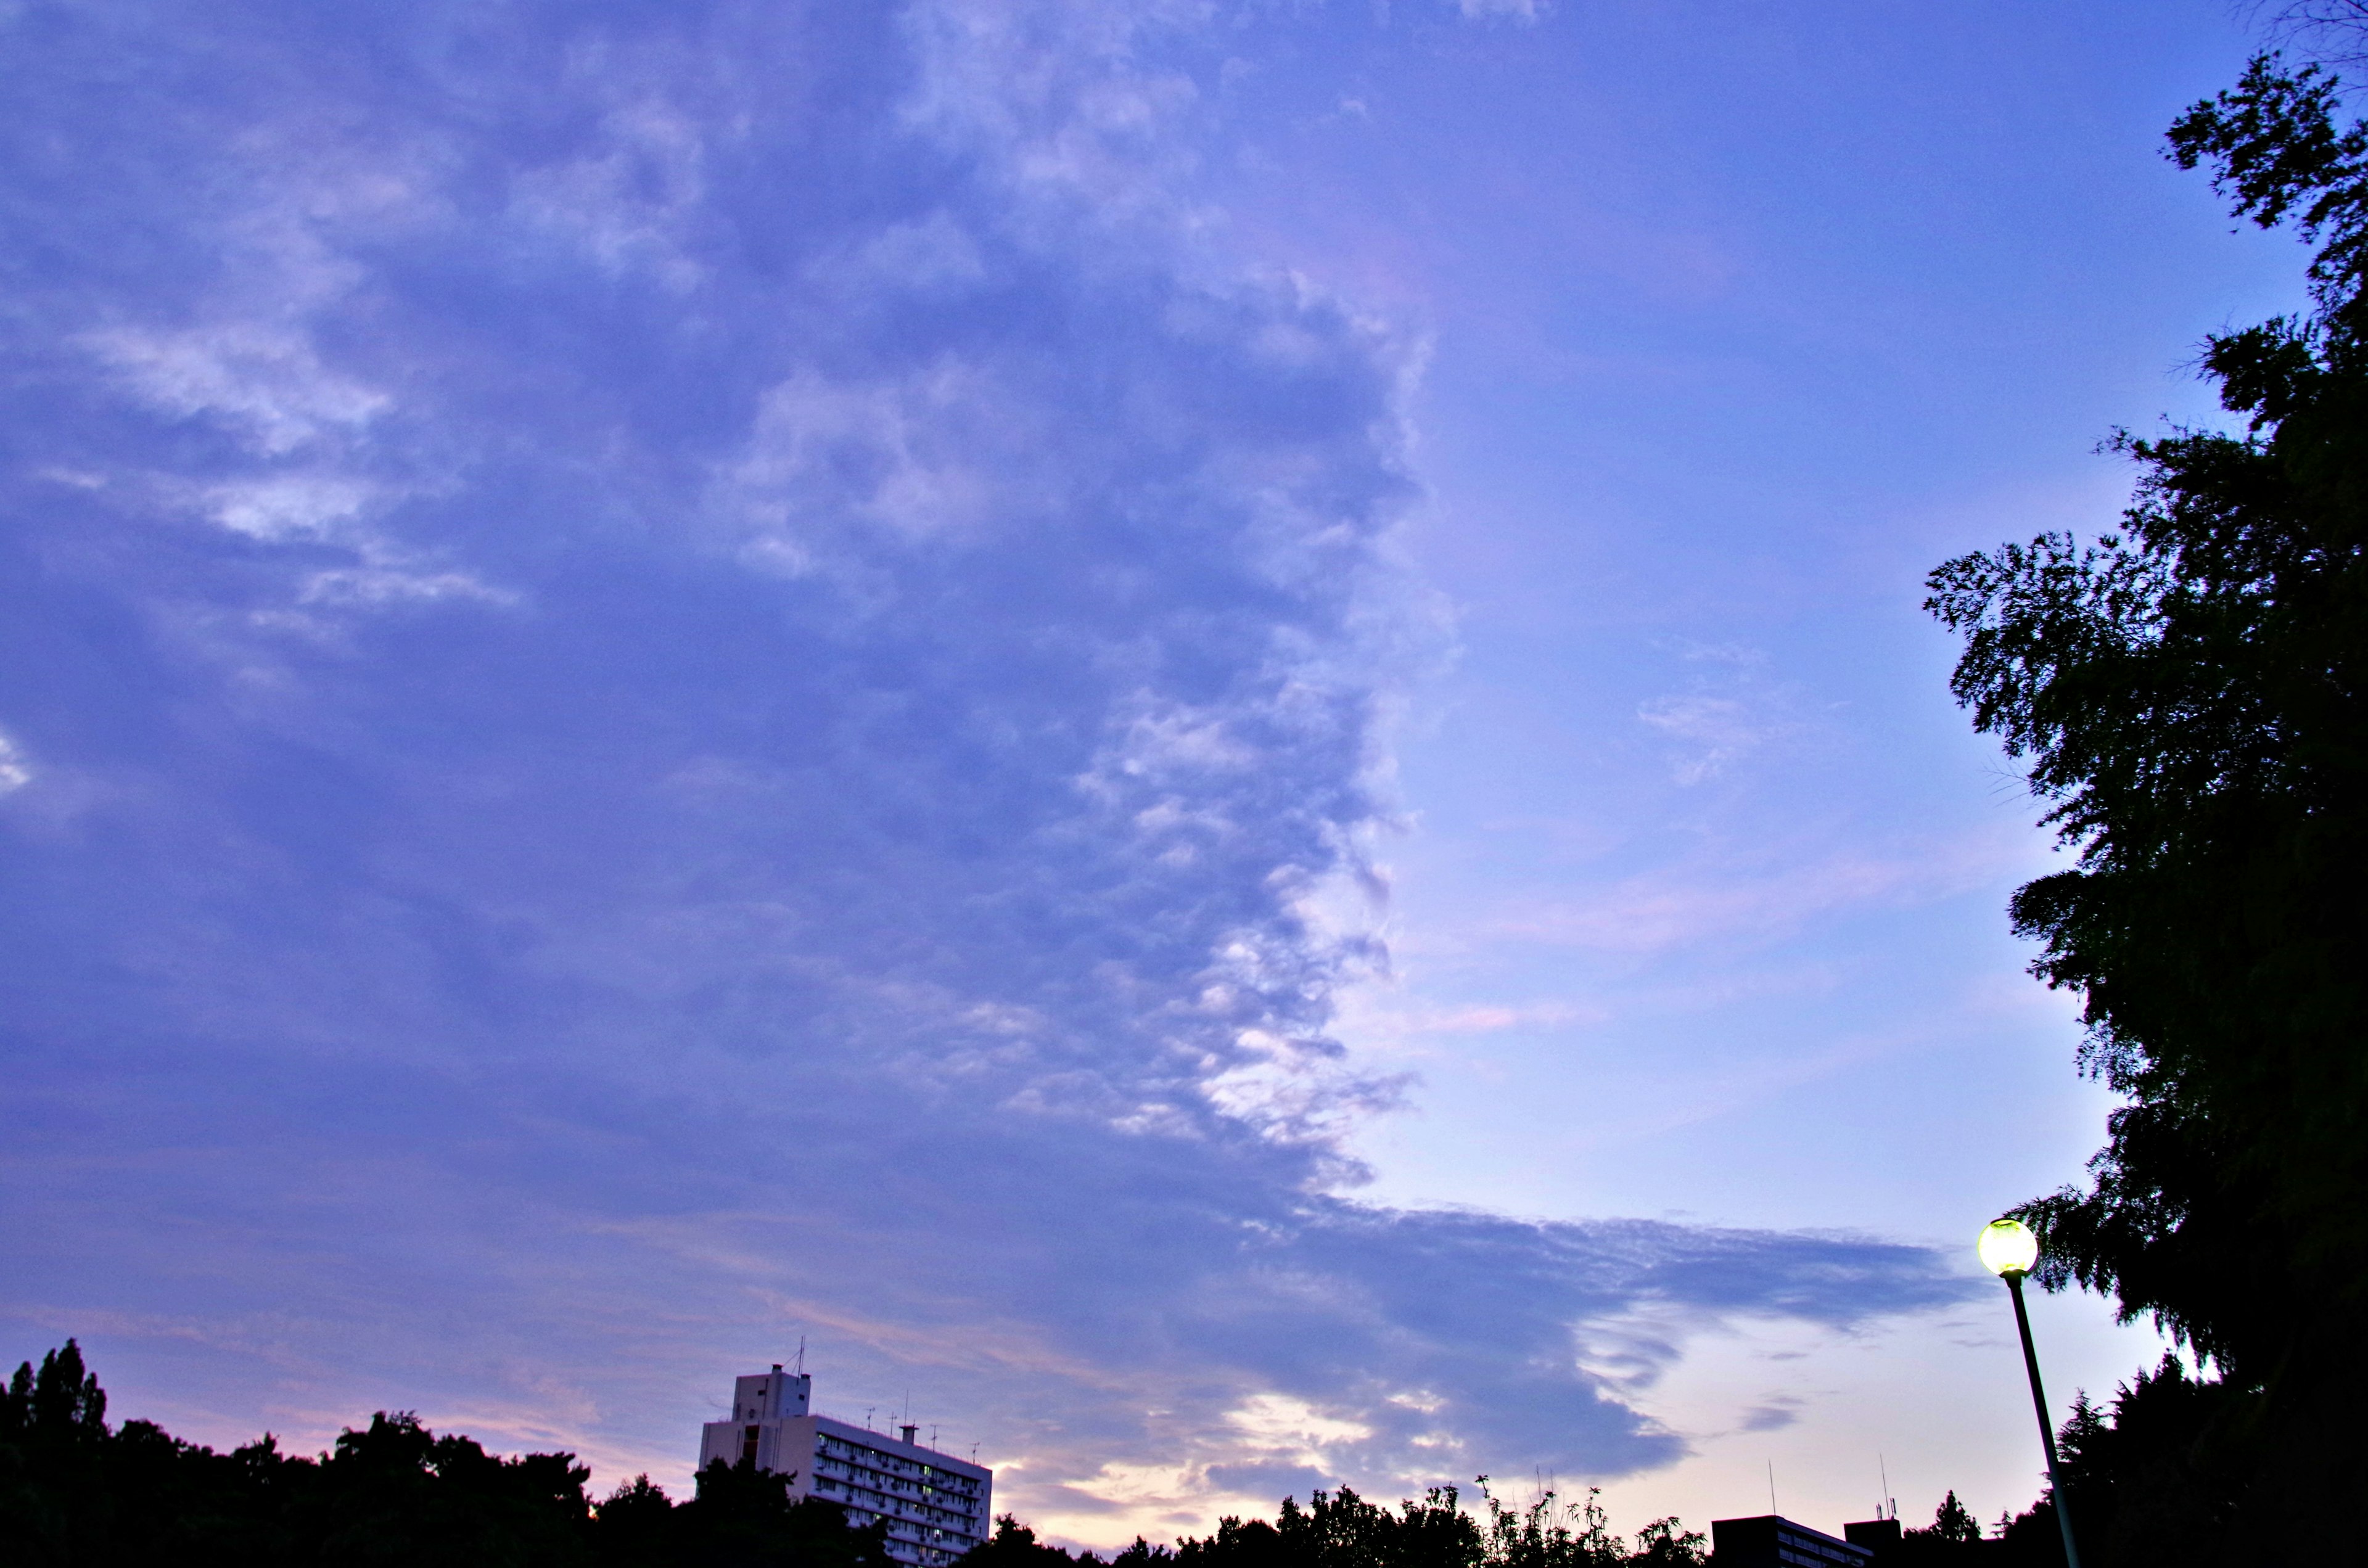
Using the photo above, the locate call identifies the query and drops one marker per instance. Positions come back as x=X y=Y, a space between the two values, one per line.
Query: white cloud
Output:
x=941 y=451
x=631 y=199
x=1524 y=11
x=265 y=382
x=282 y=507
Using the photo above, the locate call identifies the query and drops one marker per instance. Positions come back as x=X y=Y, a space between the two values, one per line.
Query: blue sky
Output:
x=1199 y=729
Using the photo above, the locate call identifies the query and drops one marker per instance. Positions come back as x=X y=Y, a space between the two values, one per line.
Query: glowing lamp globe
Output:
x=2007 y=1247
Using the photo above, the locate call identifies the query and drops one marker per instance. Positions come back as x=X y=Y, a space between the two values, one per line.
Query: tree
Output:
x=1341 y=1530
x=75 y=1494
x=53 y=1432
x=1664 y=1543
x=1014 y=1545
x=1951 y=1521
x=1236 y=1544
x=2155 y=1477
x=398 y=1492
x=1550 y=1534
x=2336 y=30
x=2191 y=694
x=634 y=1525
x=59 y=1405
x=743 y=1515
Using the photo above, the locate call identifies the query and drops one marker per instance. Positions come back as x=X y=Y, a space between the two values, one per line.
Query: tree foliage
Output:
x=2191 y=696
x=1341 y=1530
x=76 y=1493
x=2154 y=1477
x=2151 y=1477
x=1952 y=1523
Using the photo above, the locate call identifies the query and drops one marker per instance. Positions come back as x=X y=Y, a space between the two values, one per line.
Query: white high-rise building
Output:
x=936 y=1505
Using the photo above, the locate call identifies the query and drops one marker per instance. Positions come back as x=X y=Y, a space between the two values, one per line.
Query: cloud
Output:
x=711 y=691
x=1731 y=713
x=268 y=382
x=1524 y=11
x=1759 y=896
x=1719 y=729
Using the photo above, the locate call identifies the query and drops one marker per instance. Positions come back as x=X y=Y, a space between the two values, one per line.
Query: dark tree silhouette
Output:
x=2191 y=696
x=75 y=1494
x=1341 y=1530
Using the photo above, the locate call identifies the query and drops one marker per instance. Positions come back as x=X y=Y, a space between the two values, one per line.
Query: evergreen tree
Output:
x=1953 y=1522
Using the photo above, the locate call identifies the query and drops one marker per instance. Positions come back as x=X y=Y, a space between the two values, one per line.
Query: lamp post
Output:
x=2008 y=1249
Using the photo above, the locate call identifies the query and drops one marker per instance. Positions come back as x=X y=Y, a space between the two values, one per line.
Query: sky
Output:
x=1198 y=731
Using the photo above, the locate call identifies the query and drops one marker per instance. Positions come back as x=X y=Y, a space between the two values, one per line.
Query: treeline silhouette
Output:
x=1341 y=1530
x=76 y=1493
x=2148 y=1485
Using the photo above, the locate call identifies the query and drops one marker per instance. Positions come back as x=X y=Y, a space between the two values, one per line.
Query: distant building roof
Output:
x=1873 y=1534
x=1770 y=1540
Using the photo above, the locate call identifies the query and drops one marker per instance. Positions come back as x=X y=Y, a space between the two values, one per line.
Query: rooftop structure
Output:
x=936 y=1505
x=1879 y=1536
x=1770 y=1540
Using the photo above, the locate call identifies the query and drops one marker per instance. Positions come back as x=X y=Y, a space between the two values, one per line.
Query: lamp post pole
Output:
x=2008 y=1249
x=2046 y=1429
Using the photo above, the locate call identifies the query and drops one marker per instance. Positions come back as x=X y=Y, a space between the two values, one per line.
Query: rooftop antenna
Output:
x=867 y=1416
x=1771 y=1487
x=802 y=1355
x=1887 y=1498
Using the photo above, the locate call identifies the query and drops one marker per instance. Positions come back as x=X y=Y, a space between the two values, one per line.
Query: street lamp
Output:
x=2008 y=1249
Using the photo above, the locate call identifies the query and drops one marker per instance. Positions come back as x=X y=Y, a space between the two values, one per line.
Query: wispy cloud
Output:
x=1510 y=11
x=1759 y=895
x=1717 y=732
x=1730 y=711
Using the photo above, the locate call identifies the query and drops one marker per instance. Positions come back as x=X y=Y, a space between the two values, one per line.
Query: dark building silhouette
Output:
x=1878 y=1535
x=1771 y=1540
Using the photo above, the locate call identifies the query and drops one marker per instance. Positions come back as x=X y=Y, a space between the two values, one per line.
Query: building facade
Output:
x=937 y=1506
x=1771 y=1540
